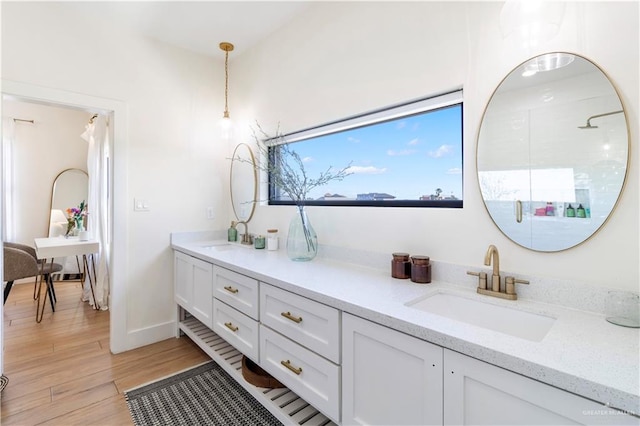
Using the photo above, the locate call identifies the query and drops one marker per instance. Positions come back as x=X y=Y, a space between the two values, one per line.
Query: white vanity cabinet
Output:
x=477 y=393
x=193 y=279
x=232 y=329
x=389 y=378
x=338 y=367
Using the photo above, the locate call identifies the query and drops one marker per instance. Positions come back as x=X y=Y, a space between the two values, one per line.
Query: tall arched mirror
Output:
x=244 y=182
x=553 y=152
x=69 y=189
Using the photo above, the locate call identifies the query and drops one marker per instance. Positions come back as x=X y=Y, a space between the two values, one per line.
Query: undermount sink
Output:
x=218 y=246
x=224 y=245
x=513 y=322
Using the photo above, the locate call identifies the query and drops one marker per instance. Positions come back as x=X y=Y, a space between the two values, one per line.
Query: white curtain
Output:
x=8 y=231
x=97 y=136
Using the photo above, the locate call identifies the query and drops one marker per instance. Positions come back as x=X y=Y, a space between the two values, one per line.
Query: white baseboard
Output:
x=148 y=335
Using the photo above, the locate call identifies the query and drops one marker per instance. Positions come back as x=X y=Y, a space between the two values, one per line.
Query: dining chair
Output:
x=20 y=261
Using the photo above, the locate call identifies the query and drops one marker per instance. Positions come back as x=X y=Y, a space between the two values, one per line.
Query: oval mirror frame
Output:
x=243 y=182
x=552 y=153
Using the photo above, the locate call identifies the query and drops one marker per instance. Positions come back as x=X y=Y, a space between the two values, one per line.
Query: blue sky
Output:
x=407 y=157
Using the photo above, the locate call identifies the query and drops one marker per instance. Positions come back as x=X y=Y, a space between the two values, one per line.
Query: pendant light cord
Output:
x=227 y=47
x=226 y=83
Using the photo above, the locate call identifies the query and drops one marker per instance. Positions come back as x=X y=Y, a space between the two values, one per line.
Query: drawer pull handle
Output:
x=231 y=327
x=231 y=289
x=287 y=364
x=291 y=317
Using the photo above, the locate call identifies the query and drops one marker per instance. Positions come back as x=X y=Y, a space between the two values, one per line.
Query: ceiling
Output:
x=199 y=26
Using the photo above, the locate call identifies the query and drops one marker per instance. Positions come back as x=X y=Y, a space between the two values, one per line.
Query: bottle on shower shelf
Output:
x=549 y=209
x=571 y=212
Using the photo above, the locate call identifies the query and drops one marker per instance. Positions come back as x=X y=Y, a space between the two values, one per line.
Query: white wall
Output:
x=41 y=150
x=345 y=58
x=173 y=158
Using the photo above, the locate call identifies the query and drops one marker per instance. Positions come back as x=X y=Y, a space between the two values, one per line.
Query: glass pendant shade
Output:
x=530 y=23
x=226 y=127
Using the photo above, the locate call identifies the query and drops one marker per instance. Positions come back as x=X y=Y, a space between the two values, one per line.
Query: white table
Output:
x=50 y=248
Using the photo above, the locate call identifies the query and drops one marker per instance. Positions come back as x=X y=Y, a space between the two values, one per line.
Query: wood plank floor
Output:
x=61 y=371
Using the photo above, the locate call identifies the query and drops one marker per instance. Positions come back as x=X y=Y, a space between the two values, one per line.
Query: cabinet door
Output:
x=202 y=301
x=477 y=393
x=388 y=377
x=183 y=279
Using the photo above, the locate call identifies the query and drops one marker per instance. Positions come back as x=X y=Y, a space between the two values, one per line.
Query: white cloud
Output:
x=442 y=151
x=401 y=124
x=368 y=170
x=394 y=153
x=353 y=140
x=307 y=159
x=454 y=171
x=413 y=142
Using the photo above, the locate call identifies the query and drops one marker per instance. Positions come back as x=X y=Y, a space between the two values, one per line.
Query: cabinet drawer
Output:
x=236 y=328
x=304 y=321
x=236 y=290
x=312 y=377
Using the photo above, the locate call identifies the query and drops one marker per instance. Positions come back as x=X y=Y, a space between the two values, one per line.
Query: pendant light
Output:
x=225 y=124
x=527 y=24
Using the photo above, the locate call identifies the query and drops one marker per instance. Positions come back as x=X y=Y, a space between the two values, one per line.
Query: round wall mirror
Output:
x=69 y=189
x=244 y=182
x=553 y=152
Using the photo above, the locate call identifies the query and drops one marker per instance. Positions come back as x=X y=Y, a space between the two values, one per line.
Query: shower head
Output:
x=589 y=126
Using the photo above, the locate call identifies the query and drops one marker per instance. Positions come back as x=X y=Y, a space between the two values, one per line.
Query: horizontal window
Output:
x=408 y=155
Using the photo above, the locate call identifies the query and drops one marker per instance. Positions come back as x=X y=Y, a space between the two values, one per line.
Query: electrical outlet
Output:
x=209 y=212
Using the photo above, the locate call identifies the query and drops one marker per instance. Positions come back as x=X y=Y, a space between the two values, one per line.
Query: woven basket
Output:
x=255 y=375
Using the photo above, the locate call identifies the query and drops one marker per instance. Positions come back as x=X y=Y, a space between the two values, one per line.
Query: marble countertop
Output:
x=582 y=353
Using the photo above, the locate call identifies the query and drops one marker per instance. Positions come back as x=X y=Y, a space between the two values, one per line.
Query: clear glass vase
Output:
x=302 y=241
x=79 y=227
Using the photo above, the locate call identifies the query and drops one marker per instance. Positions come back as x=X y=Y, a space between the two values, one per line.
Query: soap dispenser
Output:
x=571 y=212
x=580 y=212
x=232 y=232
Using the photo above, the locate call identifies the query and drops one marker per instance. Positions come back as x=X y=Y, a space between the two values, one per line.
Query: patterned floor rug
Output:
x=204 y=395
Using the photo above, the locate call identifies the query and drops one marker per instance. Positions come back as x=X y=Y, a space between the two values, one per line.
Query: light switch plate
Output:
x=140 y=205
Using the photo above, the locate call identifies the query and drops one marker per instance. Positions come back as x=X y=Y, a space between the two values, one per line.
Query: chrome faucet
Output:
x=492 y=288
x=246 y=238
x=492 y=255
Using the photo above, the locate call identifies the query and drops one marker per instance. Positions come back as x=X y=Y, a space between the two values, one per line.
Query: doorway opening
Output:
x=115 y=181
